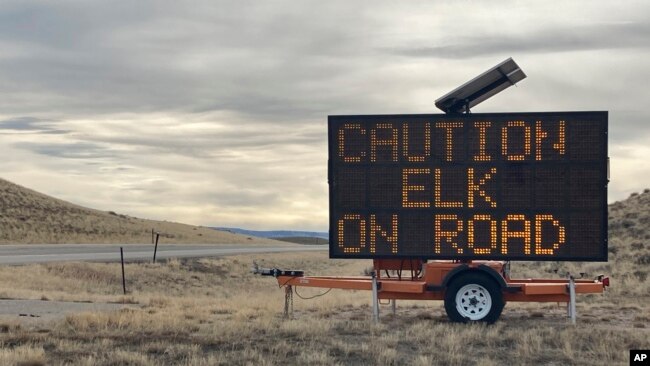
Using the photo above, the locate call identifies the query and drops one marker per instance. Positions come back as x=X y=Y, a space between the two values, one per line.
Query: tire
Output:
x=473 y=297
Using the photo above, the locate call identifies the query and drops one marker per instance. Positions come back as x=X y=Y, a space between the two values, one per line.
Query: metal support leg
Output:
x=375 y=298
x=288 y=301
x=394 y=306
x=572 y=299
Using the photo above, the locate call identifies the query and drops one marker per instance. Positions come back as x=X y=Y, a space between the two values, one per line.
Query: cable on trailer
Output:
x=295 y=289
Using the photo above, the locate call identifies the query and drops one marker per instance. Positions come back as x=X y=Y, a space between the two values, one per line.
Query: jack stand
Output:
x=288 y=302
x=375 y=298
x=571 y=306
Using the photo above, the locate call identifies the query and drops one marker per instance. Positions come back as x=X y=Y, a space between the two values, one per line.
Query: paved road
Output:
x=23 y=254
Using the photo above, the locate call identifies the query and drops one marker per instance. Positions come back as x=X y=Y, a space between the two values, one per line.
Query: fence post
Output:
x=123 y=278
x=155 y=248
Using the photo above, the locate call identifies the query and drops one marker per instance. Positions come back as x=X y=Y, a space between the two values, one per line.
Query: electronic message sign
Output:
x=520 y=186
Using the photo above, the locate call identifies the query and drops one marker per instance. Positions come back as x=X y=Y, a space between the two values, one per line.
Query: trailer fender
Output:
x=481 y=268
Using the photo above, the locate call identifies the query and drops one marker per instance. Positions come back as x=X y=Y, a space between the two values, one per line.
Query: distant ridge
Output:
x=276 y=233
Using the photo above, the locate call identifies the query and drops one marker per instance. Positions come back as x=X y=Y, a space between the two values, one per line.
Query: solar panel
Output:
x=482 y=87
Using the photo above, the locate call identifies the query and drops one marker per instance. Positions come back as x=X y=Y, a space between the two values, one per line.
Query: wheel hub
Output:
x=473 y=301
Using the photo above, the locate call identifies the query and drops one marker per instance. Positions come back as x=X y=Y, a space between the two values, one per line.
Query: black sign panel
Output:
x=520 y=186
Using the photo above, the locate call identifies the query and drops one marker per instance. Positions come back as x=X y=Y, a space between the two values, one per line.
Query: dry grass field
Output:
x=28 y=217
x=214 y=312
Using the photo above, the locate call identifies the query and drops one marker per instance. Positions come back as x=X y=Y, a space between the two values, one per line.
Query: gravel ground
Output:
x=38 y=312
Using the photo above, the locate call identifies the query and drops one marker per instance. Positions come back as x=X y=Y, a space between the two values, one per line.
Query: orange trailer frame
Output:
x=432 y=281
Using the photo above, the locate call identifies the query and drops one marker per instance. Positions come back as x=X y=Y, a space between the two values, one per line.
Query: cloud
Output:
x=262 y=61
x=76 y=150
x=214 y=112
x=599 y=36
x=30 y=125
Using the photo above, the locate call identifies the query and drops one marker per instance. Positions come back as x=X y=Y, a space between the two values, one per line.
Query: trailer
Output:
x=443 y=203
x=472 y=291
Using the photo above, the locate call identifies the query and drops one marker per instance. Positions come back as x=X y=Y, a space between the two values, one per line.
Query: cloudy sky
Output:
x=215 y=112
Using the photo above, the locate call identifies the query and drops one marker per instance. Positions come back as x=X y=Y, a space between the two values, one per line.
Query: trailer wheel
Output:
x=473 y=297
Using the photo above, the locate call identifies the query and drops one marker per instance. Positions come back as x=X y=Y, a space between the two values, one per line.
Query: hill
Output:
x=308 y=240
x=276 y=234
x=629 y=232
x=27 y=216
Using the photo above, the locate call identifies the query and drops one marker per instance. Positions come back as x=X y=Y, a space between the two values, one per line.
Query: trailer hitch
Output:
x=275 y=272
x=604 y=280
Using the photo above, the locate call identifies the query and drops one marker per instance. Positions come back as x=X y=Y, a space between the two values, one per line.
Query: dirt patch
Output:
x=209 y=267
x=39 y=312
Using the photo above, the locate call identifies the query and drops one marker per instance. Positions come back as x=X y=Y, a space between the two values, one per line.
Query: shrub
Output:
x=643 y=259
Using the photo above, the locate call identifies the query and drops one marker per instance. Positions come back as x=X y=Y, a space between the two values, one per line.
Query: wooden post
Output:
x=123 y=278
x=155 y=248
